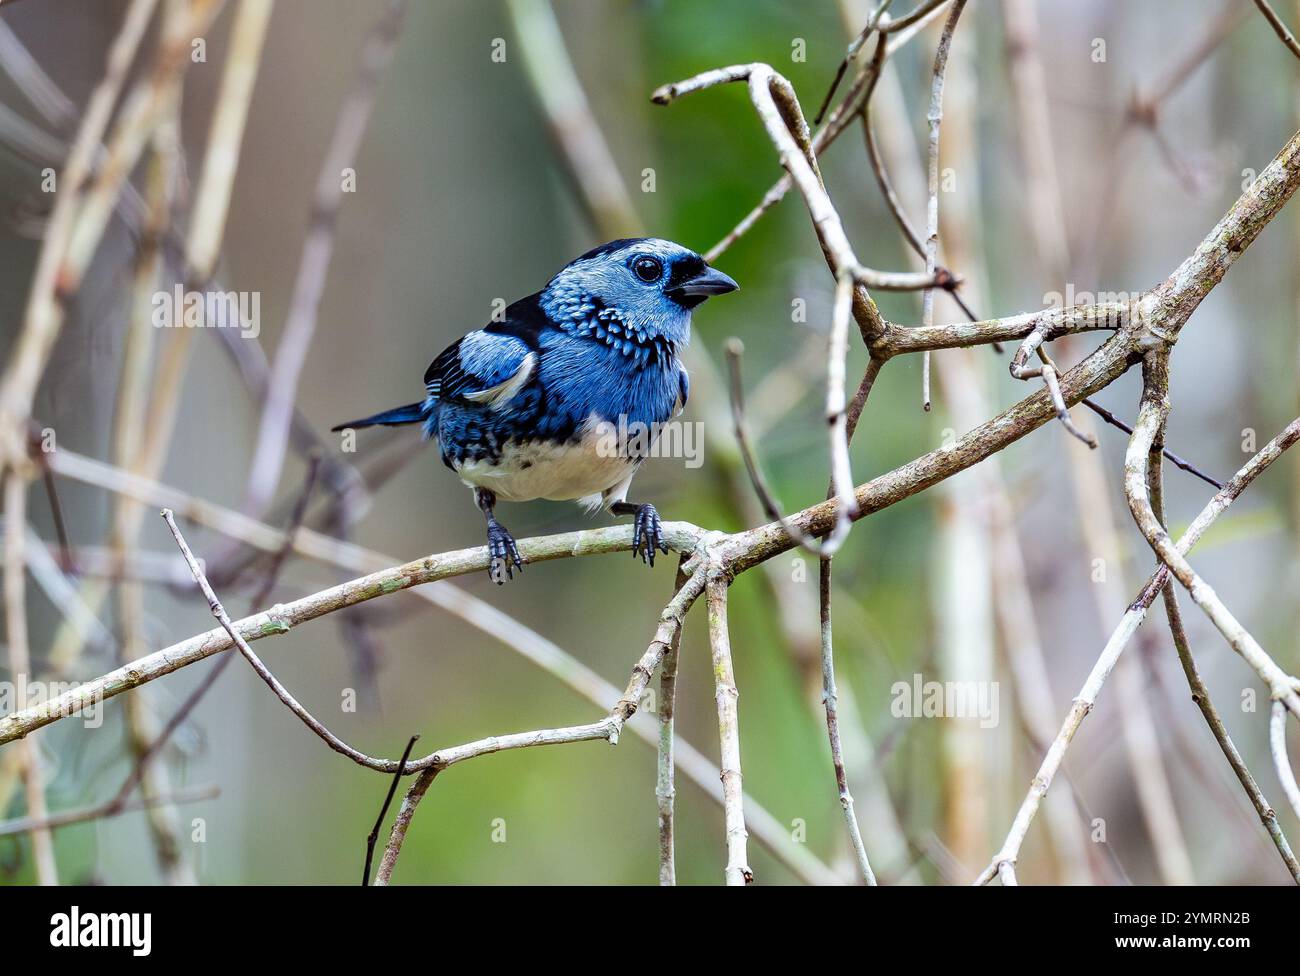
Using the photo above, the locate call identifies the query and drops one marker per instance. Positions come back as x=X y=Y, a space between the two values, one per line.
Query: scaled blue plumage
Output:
x=515 y=406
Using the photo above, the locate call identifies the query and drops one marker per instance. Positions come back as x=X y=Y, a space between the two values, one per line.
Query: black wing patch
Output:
x=472 y=365
x=446 y=379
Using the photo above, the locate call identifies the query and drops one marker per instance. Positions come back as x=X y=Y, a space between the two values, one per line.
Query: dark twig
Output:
x=67 y=557
x=1279 y=27
x=383 y=811
x=1173 y=458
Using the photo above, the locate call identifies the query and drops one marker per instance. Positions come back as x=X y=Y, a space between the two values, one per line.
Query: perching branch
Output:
x=477 y=613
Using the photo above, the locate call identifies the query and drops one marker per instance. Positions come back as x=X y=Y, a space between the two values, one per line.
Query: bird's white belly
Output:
x=560 y=472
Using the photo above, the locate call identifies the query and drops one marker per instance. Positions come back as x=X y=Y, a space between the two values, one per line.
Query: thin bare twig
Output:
x=263 y=672
x=830 y=698
x=665 y=790
x=840 y=119
x=778 y=109
x=734 y=351
x=1201 y=696
x=922 y=10
x=20 y=668
x=105 y=811
x=854 y=46
x=1119 y=638
x=1047 y=372
x=383 y=810
x=935 y=119
x=318 y=248
x=1277 y=746
x=1151 y=419
x=738 y=872
x=43 y=316
x=887 y=191
x=396 y=836
x=1279 y=27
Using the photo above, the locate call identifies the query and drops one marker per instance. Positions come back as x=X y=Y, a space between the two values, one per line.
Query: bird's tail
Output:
x=411 y=413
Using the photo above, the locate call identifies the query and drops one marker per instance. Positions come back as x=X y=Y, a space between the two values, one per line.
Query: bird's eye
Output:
x=648 y=270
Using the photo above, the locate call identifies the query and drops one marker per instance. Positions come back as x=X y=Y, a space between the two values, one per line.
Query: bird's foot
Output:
x=647 y=534
x=503 y=554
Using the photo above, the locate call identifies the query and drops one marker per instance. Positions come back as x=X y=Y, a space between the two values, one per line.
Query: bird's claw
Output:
x=503 y=554
x=647 y=534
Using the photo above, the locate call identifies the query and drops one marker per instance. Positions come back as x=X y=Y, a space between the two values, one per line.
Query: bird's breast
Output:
x=594 y=460
x=582 y=377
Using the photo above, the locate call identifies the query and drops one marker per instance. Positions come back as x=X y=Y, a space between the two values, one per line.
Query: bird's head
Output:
x=645 y=287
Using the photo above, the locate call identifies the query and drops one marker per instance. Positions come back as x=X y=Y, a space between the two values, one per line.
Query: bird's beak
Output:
x=708 y=282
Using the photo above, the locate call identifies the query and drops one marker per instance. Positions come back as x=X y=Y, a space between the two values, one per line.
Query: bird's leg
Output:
x=647 y=535
x=502 y=550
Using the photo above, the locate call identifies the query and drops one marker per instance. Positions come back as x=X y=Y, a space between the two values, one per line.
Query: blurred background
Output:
x=1012 y=574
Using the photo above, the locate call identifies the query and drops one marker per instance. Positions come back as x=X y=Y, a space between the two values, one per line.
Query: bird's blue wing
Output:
x=486 y=368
